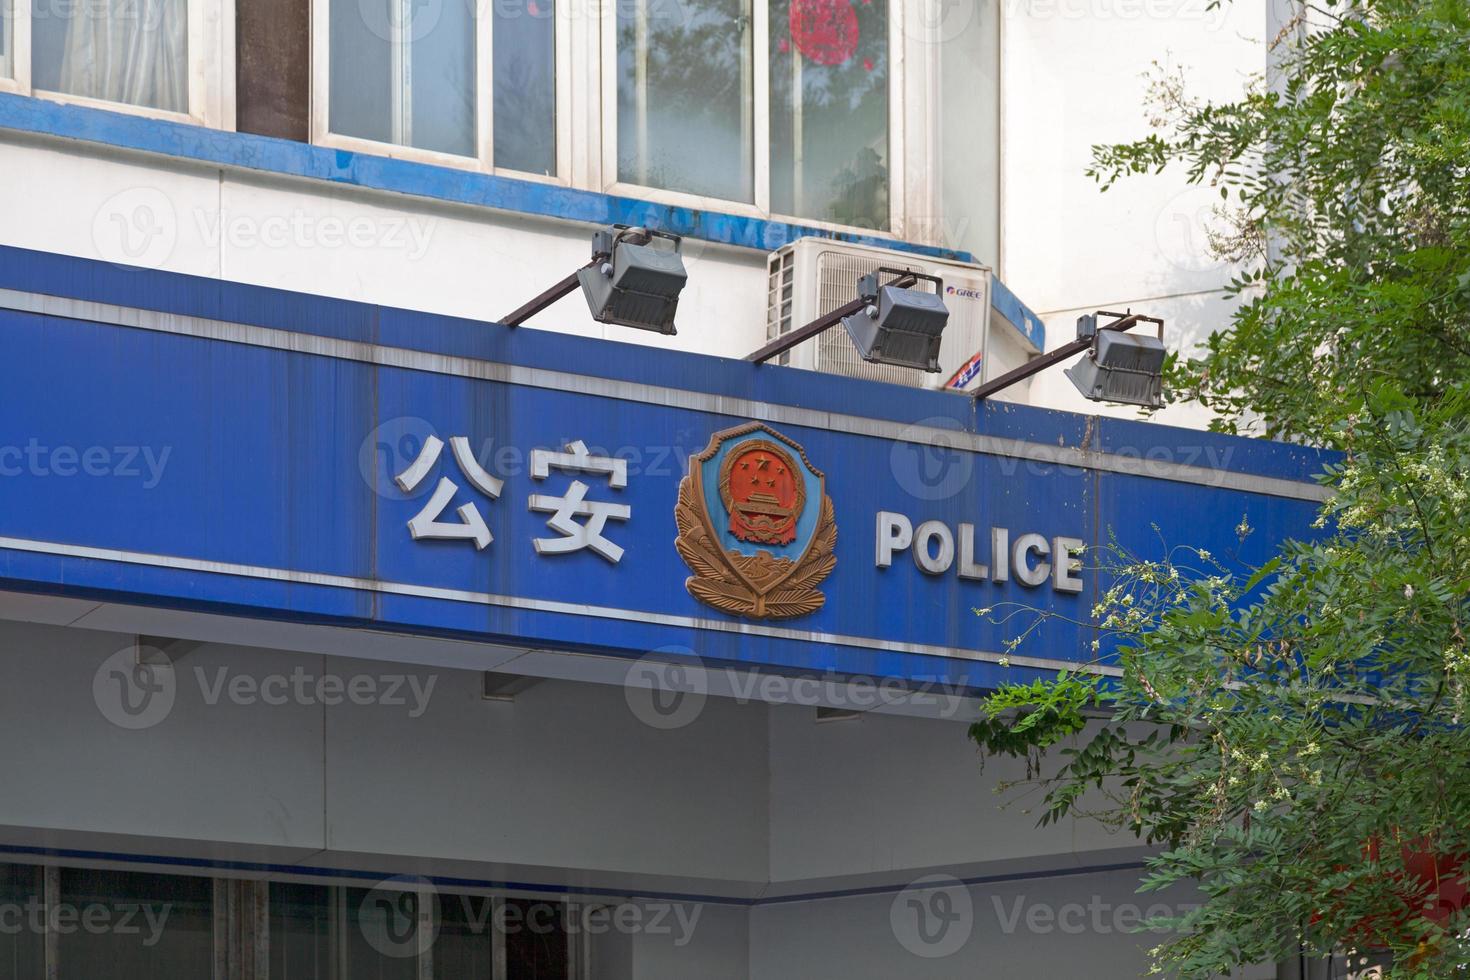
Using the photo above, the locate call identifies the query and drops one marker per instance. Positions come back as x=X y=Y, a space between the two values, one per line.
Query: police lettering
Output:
x=998 y=556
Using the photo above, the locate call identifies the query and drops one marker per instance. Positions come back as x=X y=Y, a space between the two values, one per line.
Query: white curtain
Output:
x=133 y=51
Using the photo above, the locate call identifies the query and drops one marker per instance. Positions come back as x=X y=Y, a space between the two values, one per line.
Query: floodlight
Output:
x=639 y=284
x=898 y=325
x=1121 y=367
x=634 y=279
x=889 y=323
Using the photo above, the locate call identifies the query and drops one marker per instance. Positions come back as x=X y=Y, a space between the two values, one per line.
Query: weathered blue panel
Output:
x=173 y=449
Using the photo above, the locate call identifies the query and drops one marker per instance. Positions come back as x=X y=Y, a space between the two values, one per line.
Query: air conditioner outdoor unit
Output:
x=812 y=276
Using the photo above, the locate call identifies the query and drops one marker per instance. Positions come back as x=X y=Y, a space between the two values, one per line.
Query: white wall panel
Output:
x=876 y=794
x=202 y=772
x=1081 y=926
x=1074 y=76
x=371 y=247
x=119 y=208
x=564 y=776
x=715 y=946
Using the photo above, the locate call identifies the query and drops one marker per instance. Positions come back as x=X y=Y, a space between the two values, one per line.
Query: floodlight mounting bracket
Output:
x=903 y=278
x=1123 y=321
x=603 y=243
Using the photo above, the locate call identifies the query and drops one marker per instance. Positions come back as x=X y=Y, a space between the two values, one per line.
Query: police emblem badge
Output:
x=756 y=526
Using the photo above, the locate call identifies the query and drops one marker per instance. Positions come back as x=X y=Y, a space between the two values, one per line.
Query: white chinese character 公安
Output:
x=426 y=523
x=563 y=510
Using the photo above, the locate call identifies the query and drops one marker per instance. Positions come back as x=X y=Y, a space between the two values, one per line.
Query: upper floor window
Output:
x=130 y=51
x=147 y=56
x=471 y=81
x=686 y=97
x=811 y=111
x=6 y=57
x=783 y=105
x=775 y=108
x=829 y=110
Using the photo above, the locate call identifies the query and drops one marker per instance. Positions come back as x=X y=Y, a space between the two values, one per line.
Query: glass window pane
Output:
x=403 y=71
x=300 y=932
x=133 y=51
x=829 y=110
x=465 y=946
x=684 y=96
x=524 y=33
x=380 y=933
x=537 y=948
x=131 y=926
x=22 y=927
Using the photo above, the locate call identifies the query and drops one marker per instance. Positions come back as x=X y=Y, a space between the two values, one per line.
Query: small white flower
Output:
x=1408 y=592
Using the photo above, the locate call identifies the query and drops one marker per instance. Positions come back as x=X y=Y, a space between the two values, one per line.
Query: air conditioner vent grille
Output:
x=837 y=276
x=781 y=294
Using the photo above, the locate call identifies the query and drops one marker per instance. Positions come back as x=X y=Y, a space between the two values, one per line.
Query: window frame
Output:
x=484 y=159
x=211 y=45
x=18 y=78
x=585 y=70
x=607 y=43
x=587 y=116
x=11 y=18
x=913 y=146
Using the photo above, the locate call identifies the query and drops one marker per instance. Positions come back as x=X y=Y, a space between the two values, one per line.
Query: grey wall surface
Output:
x=756 y=806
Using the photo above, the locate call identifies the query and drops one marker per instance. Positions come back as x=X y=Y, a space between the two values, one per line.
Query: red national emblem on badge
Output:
x=756 y=526
x=763 y=492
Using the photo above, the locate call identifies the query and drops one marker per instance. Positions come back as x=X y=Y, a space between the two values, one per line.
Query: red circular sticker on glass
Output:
x=825 y=31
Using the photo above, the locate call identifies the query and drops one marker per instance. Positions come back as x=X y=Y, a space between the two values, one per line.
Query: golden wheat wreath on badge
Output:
x=756 y=525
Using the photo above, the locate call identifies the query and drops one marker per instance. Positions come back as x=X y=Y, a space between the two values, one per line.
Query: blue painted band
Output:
x=443 y=881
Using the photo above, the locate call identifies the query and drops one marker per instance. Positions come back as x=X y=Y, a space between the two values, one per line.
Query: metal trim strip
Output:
x=534 y=605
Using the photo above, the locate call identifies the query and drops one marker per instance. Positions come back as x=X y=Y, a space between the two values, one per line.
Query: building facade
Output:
x=348 y=632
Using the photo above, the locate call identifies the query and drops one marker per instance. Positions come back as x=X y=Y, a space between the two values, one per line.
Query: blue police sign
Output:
x=210 y=446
